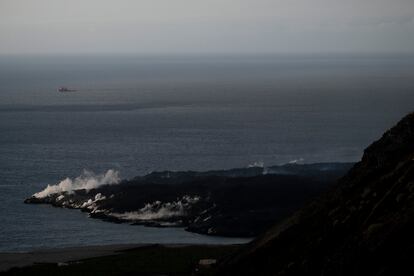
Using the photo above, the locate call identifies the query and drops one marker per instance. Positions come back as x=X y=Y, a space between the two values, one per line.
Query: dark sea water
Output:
x=137 y=115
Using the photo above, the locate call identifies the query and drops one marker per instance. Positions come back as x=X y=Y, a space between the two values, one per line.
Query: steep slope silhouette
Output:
x=363 y=226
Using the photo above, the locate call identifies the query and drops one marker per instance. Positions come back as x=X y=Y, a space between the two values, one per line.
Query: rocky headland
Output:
x=239 y=202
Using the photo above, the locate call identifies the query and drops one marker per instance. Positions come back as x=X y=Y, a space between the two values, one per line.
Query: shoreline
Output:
x=72 y=256
x=197 y=201
x=9 y=260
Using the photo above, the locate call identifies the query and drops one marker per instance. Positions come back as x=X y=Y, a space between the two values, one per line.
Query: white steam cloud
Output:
x=257 y=164
x=158 y=210
x=87 y=180
x=296 y=161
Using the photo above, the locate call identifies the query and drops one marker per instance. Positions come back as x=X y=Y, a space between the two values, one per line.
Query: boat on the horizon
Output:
x=65 y=89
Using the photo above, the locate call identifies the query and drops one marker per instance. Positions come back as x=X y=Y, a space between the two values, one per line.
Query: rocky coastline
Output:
x=233 y=203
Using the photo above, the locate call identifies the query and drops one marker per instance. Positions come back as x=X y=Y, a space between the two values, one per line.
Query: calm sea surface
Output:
x=137 y=115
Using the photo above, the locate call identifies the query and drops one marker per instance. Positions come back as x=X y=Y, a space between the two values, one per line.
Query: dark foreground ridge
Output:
x=364 y=226
x=237 y=202
x=148 y=260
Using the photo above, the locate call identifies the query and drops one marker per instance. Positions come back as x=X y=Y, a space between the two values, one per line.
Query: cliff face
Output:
x=363 y=226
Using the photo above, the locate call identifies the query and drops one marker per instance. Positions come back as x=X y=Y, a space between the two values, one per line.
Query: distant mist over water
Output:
x=136 y=115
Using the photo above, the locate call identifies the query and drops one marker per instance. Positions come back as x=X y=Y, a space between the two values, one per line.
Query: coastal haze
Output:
x=215 y=26
x=186 y=85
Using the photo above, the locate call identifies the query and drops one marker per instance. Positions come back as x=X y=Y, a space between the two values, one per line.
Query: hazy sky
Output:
x=209 y=26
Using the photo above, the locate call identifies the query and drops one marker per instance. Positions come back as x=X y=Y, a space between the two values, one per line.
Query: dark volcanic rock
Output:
x=363 y=226
x=238 y=202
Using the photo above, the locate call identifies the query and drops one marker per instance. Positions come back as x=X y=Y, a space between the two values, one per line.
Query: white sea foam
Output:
x=87 y=180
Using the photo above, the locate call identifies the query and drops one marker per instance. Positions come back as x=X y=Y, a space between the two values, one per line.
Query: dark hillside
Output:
x=363 y=226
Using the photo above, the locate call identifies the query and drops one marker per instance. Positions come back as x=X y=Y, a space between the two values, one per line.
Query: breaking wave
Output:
x=86 y=181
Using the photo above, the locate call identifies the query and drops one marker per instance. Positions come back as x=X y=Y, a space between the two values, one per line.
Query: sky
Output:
x=208 y=26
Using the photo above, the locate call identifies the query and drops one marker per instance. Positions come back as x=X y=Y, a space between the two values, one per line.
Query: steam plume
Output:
x=87 y=180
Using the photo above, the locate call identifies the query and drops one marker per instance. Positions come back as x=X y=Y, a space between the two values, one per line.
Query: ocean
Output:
x=138 y=114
